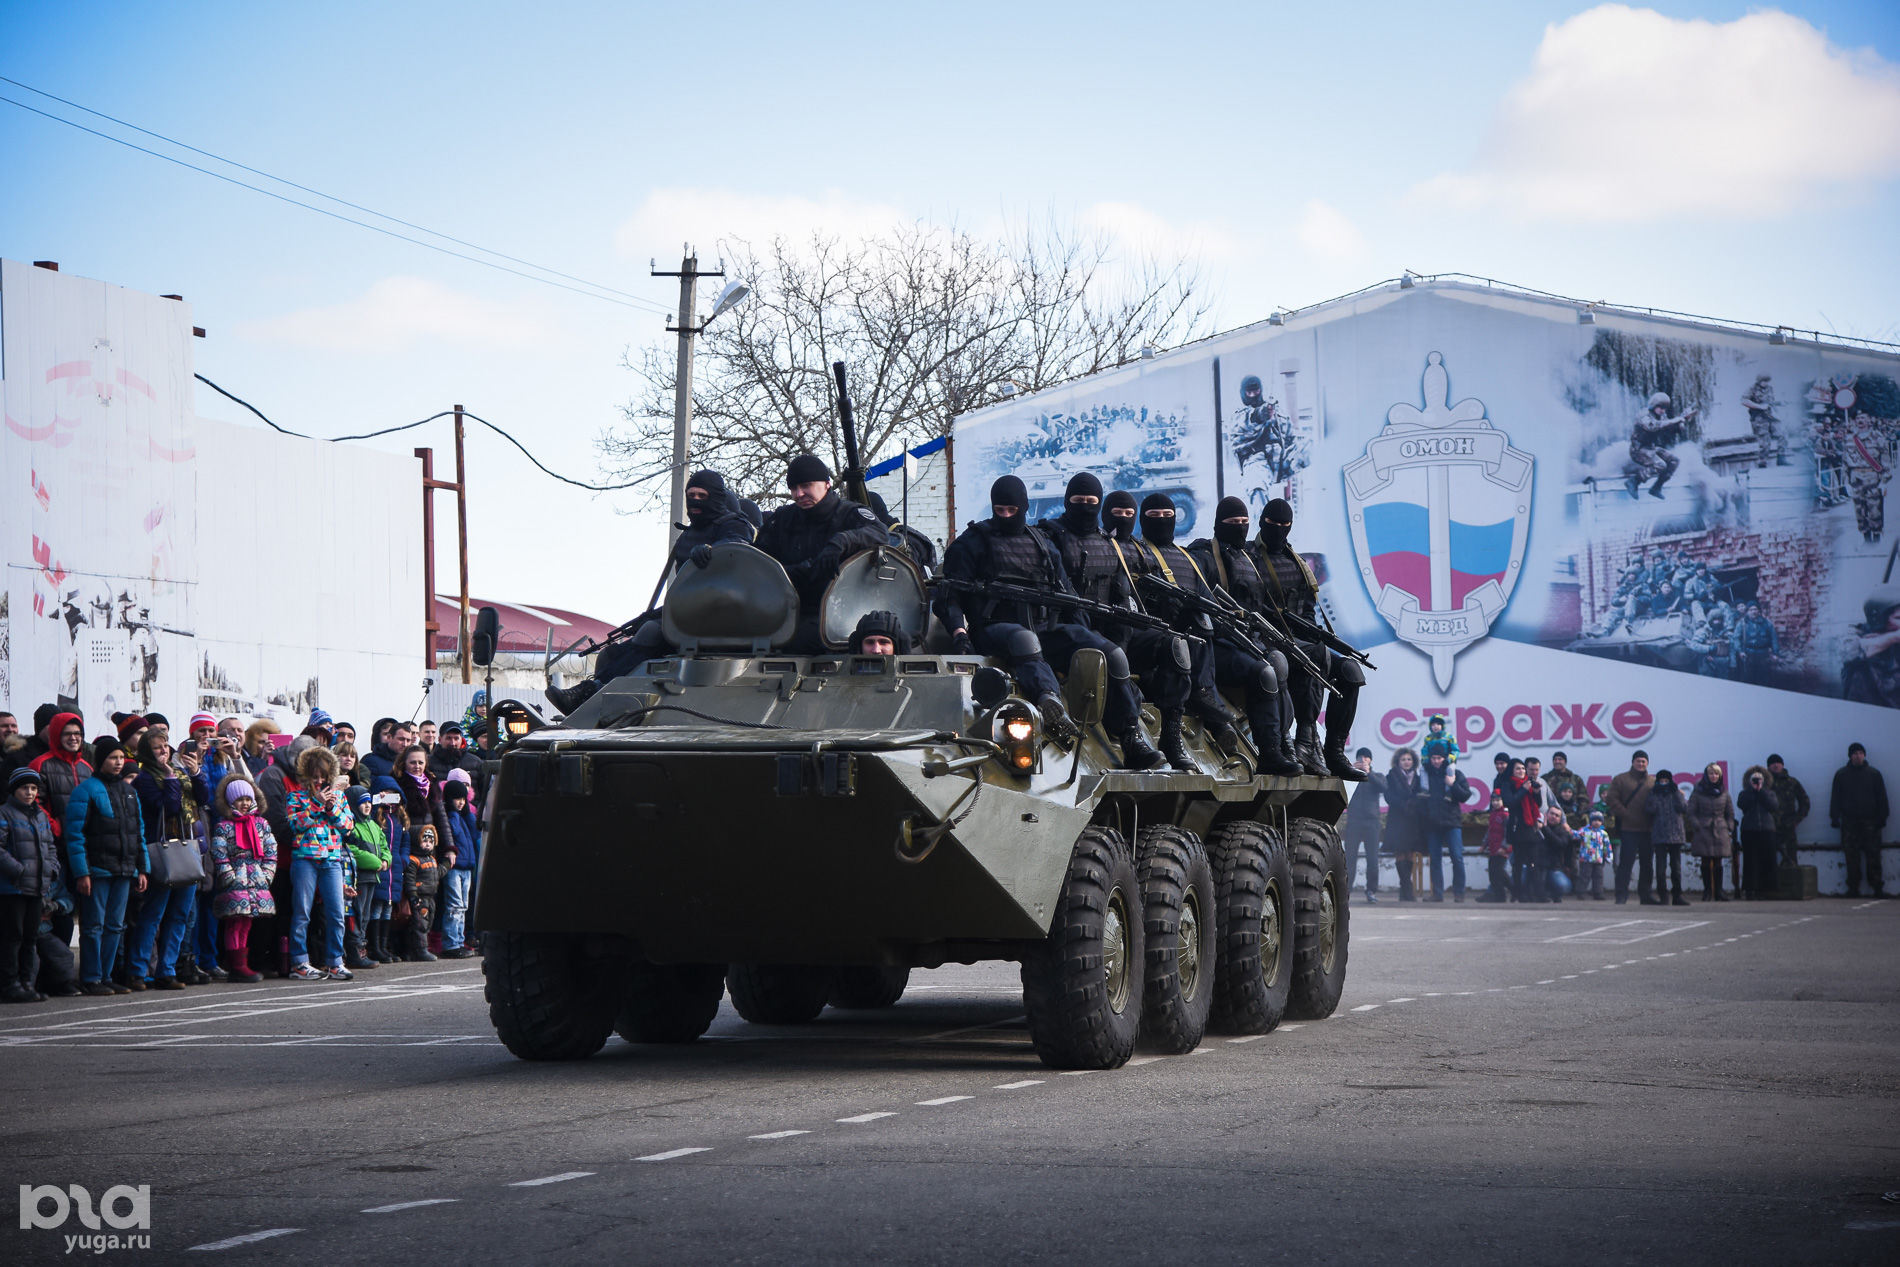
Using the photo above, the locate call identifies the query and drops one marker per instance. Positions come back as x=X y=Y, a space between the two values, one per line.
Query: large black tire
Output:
x=547 y=998
x=1179 y=918
x=778 y=993
x=1320 y=885
x=1253 y=884
x=868 y=987
x=668 y=1002
x=1082 y=985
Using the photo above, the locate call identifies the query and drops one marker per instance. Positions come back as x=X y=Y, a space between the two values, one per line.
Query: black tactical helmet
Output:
x=1251 y=392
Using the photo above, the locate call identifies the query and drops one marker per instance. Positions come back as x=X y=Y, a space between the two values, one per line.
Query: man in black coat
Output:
x=1858 y=807
x=1363 y=824
x=813 y=537
x=1006 y=548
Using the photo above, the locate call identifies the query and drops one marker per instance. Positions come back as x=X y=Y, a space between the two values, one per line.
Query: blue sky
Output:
x=1705 y=157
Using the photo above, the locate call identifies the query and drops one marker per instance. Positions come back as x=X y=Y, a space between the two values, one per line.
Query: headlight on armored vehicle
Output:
x=1018 y=732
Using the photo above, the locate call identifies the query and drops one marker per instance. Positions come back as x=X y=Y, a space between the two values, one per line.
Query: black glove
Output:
x=960 y=643
x=701 y=555
x=828 y=560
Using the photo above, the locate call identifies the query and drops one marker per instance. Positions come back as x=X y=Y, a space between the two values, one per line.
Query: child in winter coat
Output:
x=29 y=879
x=1667 y=835
x=369 y=848
x=465 y=838
x=1436 y=740
x=320 y=818
x=243 y=864
x=386 y=808
x=1593 y=854
x=1558 y=840
x=1497 y=852
x=421 y=878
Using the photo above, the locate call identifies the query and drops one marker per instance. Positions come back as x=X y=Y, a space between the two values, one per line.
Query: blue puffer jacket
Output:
x=105 y=832
x=29 y=852
x=467 y=838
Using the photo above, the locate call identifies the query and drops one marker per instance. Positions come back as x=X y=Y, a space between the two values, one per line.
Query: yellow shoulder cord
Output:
x=1197 y=569
x=1121 y=558
x=1220 y=565
x=1163 y=563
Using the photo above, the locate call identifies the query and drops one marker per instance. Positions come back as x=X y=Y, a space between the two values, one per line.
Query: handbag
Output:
x=176 y=863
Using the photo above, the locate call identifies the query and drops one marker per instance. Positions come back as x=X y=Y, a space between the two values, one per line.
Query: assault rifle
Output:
x=1231 y=621
x=1004 y=591
x=1326 y=637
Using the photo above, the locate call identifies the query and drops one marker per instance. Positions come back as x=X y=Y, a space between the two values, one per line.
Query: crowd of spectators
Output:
x=236 y=853
x=1547 y=835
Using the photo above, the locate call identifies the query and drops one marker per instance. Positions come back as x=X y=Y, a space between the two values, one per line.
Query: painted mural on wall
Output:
x=1466 y=469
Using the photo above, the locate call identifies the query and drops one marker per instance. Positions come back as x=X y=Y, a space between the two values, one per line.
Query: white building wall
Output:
x=929 y=496
x=157 y=560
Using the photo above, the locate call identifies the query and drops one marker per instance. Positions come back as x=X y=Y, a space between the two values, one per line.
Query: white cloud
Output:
x=707 y=217
x=395 y=313
x=1628 y=115
x=1325 y=232
x=1137 y=227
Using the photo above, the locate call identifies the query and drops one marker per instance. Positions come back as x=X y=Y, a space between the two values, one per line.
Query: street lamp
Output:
x=731 y=297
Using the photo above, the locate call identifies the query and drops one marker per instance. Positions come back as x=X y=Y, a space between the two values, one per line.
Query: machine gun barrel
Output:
x=1227 y=623
x=848 y=426
x=1326 y=637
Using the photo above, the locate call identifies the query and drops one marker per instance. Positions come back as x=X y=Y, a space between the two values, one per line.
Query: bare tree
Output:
x=931 y=322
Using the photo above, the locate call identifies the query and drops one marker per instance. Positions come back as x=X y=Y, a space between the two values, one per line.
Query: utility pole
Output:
x=686 y=328
x=430 y=487
x=461 y=534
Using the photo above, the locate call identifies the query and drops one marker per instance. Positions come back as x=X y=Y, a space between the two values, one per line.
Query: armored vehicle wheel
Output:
x=1254 y=885
x=1178 y=912
x=669 y=1002
x=1320 y=884
x=547 y=997
x=864 y=987
x=778 y=993
x=1083 y=983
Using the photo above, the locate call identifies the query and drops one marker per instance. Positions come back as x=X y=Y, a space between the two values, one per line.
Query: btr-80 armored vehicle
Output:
x=802 y=830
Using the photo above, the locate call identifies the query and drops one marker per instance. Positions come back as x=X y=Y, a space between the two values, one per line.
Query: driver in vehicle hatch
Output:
x=880 y=633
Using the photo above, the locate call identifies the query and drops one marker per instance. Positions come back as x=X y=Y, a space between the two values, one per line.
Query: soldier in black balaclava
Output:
x=1119 y=515
x=1159 y=554
x=1288 y=586
x=813 y=537
x=713 y=516
x=921 y=549
x=1031 y=638
x=1100 y=570
x=1232 y=569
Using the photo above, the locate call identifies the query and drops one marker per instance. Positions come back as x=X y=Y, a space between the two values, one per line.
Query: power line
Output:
x=446 y=413
x=631 y=301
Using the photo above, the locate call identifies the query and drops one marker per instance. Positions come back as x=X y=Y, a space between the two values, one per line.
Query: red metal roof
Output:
x=525 y=627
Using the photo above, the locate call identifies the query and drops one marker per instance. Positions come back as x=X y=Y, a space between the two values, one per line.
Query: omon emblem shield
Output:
x=1440 y=509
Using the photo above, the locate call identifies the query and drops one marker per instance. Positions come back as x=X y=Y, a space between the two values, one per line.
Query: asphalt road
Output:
x=1583 y=1083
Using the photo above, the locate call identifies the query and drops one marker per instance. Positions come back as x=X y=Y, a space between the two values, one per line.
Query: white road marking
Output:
x=1432 y=994
x=1076 y=1073
x=232 y=1242
x=1288 y=1029
x=1367 y=1007
x=944 y=1099
x=1547 y=981
x=1251 y=1038
x=778 y=1134
x=1143 y=1060
x=563 y=1177
x=866 y=1117
x=671 y=1153
x=1407 y=999
x=1018 y=1086
x=410 y=1205
x=967 y=1029
x=1873 y=1225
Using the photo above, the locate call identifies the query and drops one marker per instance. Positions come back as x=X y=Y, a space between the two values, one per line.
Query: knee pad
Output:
x=1024 y=645
x=1183 y=656
x=1276 y=660
x=1117 y=664
x=1266 y=680
x=1348 y=672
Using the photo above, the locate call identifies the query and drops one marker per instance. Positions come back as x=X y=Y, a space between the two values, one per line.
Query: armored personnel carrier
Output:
x=802 y=830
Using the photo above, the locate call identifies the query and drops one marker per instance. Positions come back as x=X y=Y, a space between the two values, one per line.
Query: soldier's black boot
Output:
x=1137 y=752
x=1056 y=722
x=1269 y=740
x=1174 y=743
x=569 y=698
x=1306 y=749
x=1339 y=715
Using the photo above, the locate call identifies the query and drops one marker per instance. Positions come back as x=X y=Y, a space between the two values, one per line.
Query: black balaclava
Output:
x=751 y=510
x=1083 y=519
x=1009 y=491
x=876 y=502
x=1233 y=535
x=715 y=485
x=1276 y=521
x=1159 y=531
x=1121 y=529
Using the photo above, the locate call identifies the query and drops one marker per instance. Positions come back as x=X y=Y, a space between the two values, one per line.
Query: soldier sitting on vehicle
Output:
x=812 y=537
x=1713 y=643
x=921 y=549
x=1101 y=568
x=1291 y=591
x=1758 y=644
x=1005 y=548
